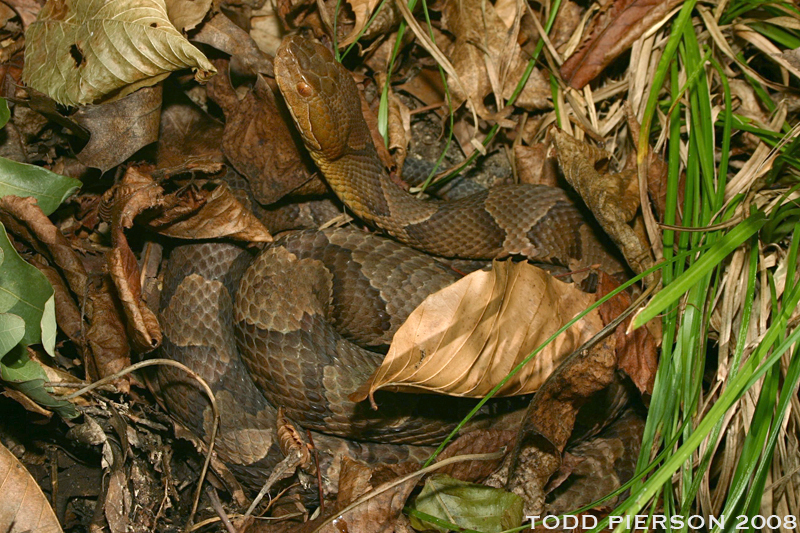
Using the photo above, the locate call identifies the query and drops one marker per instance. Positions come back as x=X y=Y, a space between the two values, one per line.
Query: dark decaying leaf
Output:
x=612 y=32
x=119 y=128
x=246 y=57
x=470 y=506
x=550 y=419
x=23 y=507
x=637 y=351
x=190 y=140
x=375 y=515
x=252 y=124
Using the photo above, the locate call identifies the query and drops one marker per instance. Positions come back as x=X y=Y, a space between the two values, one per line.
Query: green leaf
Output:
x=25 y=292
x=5 y=114
x=80 y=51
x=710 y=259
x=49 y=188
x=468 y=505
x=12 y=328
x=25 y=375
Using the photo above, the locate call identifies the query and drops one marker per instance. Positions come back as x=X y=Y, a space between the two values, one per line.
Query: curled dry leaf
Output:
x=219 y=215
x=119 y=128
x=550 y=420
x=533 y=165
x=612 y=198
x=79 y=51
x=363 y=10
x=291 y=440
x=23 y=507
x=464 y=339
x=106 y=336
x=142 y=323
x=376 y=515
x=611 y=33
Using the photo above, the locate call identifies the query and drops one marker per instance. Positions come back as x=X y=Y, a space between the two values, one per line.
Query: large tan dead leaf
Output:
x=464 y=339
x=79 y=51
x=23 y=506
x=488 y=59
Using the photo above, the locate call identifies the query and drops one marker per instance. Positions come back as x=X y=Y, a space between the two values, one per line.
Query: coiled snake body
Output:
x=297 y=310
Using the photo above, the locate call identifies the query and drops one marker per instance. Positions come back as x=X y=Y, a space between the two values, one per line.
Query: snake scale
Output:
x=298 y=324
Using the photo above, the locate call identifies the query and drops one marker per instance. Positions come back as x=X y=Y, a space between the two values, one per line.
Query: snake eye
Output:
x=304 y=89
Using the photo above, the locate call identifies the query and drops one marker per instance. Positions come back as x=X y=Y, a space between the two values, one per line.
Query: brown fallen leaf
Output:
x=612 y=198
x=252 y=125
x=246 y=57
x=23 y=507
x=533 y=165
x=464 y=339
x=611 y=33
x=550 y=420
x=488 y=59
x=478 y=441
x=190 y=140
x=637 y=351
x=210 y=214
x=106 y=335
x=186 y=14
x=362 y=9
x=376 y=515
x=119 y=128
x=598 y=466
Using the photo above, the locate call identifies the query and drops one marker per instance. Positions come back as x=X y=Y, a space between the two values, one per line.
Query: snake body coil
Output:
x=296 y=326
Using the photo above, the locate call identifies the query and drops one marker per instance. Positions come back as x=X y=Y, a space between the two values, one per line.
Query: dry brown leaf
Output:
x=478 y=441
x=376 y=515
x=363 y=10
x=189 y=140
x=143 y=327
x=487 y=60
x=106 y=335
x=464 y=339
x=186 y=14
x=610 y=34
x=119 y=128
x=210 y=214
x=252 y=125
x=399 y=127
x=637 y=351
x=533 y=165
x=612 y=198
x=23 y=506
x=246 y=57
x=550 y=420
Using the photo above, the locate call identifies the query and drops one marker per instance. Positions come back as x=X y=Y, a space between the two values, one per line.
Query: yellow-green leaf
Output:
x=80 y=51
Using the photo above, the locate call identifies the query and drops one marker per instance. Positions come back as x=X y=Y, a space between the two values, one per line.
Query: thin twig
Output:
x=217 y=505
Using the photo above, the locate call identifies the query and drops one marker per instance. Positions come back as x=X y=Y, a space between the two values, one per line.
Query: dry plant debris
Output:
x=130 y=127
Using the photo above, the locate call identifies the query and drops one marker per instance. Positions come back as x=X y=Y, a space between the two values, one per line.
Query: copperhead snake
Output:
x=296 y=326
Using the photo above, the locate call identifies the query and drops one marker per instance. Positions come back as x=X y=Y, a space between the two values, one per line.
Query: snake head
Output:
x=320 y=94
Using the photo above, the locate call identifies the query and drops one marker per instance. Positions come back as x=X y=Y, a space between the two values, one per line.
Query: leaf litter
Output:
x=159 y=156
